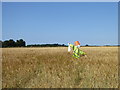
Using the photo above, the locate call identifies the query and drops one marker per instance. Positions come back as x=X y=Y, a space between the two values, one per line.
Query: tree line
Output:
x=47 y=45
x=12 y=43
x=22 y=43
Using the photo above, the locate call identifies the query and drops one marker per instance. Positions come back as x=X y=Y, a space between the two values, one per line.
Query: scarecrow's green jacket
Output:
x=77 y=52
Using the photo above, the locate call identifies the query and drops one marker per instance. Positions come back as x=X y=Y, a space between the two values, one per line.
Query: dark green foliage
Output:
x=47 y=45
x=12 y=43
x=0 y=43
x=20 y=43
x=86 y=45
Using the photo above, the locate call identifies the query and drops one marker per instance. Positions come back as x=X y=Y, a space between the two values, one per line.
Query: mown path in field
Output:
x=55 y=68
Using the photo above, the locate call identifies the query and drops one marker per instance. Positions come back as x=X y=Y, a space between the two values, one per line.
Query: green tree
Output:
x=11 y=43
x=5 y=43
x=20 y=43
x=0 y=43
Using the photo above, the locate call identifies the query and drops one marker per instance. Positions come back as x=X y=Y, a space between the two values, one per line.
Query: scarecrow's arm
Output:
x=71 y=45
x=81 y=52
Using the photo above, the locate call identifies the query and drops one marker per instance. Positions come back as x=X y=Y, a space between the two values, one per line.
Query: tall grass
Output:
x=56 y=68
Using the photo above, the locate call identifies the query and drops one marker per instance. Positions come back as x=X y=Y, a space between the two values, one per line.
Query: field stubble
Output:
x=56 y=68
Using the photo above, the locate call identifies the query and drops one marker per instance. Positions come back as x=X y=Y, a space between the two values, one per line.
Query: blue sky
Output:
x=61 y=22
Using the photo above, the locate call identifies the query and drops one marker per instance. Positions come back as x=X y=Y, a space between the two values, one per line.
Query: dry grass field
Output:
x=56 y=68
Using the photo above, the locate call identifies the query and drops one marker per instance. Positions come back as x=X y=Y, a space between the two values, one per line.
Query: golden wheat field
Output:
x=54 y=67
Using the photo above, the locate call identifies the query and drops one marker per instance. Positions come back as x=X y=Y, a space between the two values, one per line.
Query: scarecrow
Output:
x=76 y=51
